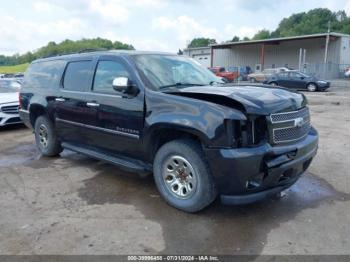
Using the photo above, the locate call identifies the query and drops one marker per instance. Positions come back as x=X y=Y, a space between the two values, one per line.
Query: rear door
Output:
x=75 y=117
x=120 y=117
x=282 y=79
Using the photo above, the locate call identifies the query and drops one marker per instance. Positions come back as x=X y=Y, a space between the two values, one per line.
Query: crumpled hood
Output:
x=8 y=97
x=261 y=100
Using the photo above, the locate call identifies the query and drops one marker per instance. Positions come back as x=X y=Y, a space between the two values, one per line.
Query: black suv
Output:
x=163 y=113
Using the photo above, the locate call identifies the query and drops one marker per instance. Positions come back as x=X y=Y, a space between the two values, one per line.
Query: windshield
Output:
x=9 y=86
x=164 y=71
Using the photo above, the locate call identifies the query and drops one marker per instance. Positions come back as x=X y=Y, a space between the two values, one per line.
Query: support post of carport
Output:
x=211 y=56
x=262 y=56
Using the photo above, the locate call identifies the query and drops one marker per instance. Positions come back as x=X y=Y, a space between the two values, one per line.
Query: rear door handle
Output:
x=92 y=104
x=60 y=99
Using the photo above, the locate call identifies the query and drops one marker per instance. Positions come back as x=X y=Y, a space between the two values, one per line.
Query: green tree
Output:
x=262 y=34
x=201 y=42
x=235 y=39
x=65 y=47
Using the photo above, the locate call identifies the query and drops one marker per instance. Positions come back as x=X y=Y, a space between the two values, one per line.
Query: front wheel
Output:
x=45 y=137
x=311 y=87
x=183 y=177
x=273 y=84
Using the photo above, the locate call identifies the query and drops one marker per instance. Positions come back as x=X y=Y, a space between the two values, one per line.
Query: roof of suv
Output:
x=107 y=52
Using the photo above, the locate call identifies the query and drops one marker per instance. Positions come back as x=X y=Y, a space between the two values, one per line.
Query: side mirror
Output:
x=124 y=85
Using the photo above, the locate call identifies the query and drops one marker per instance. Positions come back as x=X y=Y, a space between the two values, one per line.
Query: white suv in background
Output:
x=9 y=105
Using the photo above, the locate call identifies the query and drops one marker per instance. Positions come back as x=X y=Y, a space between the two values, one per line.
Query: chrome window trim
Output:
x=91 y=93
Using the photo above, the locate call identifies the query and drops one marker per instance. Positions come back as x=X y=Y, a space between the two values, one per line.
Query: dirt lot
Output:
x=76 y=205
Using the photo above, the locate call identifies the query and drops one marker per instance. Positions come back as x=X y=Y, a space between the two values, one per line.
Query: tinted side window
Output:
x=77 y=74
x=44 y=74
x=283 y=75
x=294 y=75
x=105 y=73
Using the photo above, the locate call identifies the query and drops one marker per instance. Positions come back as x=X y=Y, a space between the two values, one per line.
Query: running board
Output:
x=125 y=163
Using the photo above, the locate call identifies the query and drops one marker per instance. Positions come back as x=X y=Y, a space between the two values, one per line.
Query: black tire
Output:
x=49 y=146
x=273 y=84
x=203 y=192
x=252 y=80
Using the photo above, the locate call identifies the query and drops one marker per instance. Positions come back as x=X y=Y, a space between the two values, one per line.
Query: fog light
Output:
x=251 y=184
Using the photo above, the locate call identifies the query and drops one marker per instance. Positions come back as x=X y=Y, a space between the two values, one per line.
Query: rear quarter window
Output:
x=77 y=76
x=46 y=74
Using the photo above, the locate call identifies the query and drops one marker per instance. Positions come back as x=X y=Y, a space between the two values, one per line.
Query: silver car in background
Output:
x=9 y=104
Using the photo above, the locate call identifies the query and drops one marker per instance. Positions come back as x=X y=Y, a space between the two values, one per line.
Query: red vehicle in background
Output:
x=222 y=72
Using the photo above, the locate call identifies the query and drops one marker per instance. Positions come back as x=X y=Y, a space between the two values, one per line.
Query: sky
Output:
x=158 y=25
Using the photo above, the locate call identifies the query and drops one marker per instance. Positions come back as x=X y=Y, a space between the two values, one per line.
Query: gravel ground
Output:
x=76 y=205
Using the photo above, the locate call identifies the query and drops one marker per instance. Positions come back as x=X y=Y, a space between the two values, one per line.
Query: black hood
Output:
x=261 y=100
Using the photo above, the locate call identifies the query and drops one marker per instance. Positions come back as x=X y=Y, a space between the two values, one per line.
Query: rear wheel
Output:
x=183 y=177
x=312 y=87
x=45 y=136
x=252 y=80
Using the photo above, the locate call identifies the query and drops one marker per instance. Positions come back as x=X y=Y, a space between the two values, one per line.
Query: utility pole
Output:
x=327 y=43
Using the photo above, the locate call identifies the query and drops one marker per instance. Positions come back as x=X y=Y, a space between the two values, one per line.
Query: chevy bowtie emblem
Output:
x=299 y=122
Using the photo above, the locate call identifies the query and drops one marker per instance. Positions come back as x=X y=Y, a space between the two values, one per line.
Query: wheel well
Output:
x=313 y=84
x=35 y=112
x=165 y=135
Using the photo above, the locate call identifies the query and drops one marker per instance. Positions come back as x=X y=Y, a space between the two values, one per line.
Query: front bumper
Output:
x=245 y=175
x=9 y=118
x=323 y=86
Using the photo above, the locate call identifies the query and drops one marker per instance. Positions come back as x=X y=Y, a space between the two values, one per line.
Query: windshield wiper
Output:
x=179 y=85
x=215 y=82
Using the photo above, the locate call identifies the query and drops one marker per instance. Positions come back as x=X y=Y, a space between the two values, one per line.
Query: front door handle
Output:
x=60 y=99
x=92 y=104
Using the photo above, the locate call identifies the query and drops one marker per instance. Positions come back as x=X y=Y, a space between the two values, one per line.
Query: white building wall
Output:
x=345 y=51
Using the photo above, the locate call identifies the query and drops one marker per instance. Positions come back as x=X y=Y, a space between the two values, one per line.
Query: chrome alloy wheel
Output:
x=312 y=87
x=179 y=177
x=43 y=136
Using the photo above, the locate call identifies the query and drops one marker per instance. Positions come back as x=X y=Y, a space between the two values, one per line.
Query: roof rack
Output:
x=87 y=50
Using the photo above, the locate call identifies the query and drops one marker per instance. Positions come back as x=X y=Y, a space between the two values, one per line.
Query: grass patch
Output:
x=13 y=69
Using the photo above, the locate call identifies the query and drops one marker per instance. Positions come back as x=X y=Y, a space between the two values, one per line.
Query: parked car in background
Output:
x=244 y=71
x=9 y=104
x=263 y=75
x=7 y=75
x=347 y=72
x=298 y=80
x=223 y=73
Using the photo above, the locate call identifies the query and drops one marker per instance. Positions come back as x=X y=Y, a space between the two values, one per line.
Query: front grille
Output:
x=10 y=109
x=13 y=120
x=291 y=133
x=287 y=116
x=290 y=126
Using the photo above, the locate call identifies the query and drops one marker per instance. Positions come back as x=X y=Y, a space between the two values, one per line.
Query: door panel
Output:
x=295 y=80
x=71 y=110
x=120 y=117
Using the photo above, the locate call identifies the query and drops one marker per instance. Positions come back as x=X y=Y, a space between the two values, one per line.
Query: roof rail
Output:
x=87 y=50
